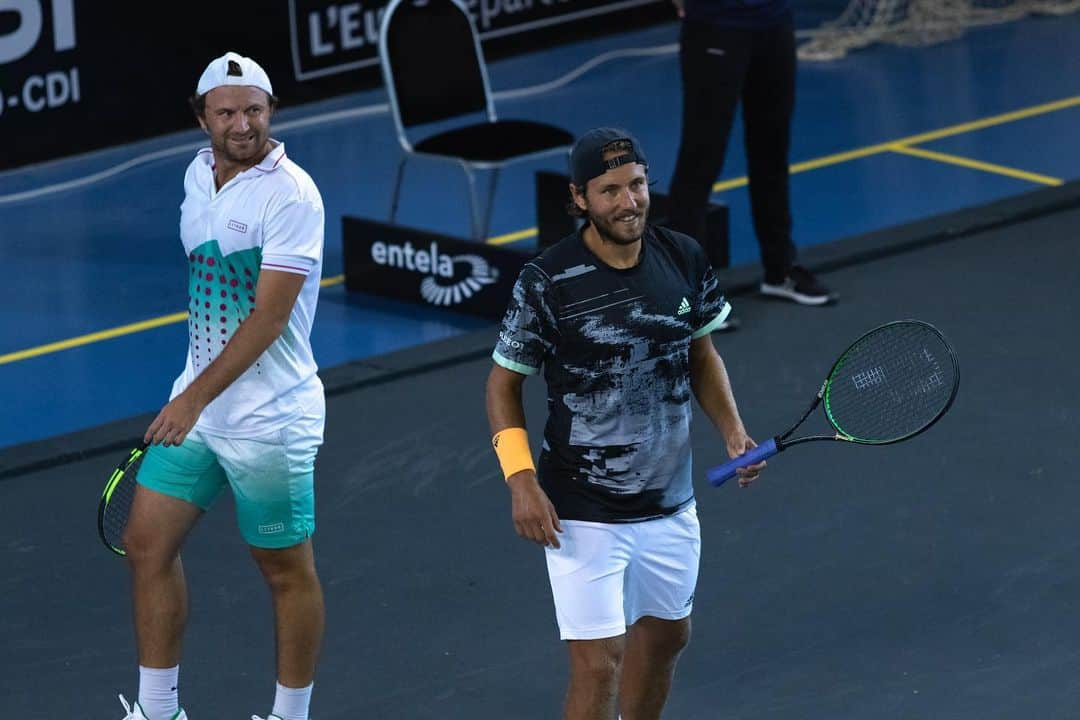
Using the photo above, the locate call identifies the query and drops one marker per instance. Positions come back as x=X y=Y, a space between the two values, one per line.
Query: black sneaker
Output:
x=799 y=286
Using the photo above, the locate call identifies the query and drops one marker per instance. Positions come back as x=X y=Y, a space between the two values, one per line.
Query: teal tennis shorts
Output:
x=272 y=478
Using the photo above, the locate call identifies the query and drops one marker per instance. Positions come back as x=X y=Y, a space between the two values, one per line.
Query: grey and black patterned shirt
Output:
x=614 y=346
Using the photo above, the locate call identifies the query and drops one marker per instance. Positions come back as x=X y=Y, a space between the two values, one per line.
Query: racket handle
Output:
x=720 y=474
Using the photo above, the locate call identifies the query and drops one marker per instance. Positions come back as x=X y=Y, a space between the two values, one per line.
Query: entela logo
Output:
x=450 y=279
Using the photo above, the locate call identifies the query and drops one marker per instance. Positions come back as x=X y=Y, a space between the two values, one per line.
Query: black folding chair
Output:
x=434 y=72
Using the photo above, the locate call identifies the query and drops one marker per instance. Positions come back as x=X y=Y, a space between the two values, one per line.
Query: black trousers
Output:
x=720 y=66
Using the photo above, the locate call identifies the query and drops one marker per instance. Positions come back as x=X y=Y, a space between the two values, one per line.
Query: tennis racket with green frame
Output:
x=116 y=499
x=893 y=383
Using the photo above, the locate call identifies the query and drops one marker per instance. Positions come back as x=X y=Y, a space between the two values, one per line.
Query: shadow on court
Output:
x=933 y=579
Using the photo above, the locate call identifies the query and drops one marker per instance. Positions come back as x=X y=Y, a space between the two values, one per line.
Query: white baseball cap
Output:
x=245 y=71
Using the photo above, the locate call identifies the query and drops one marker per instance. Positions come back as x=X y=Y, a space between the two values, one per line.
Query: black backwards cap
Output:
x=587 y=157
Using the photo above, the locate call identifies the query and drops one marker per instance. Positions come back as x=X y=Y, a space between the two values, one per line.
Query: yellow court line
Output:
x=118 y=331
x=807 y=165
x=332 y=280
x=991 y=121
x=94 y=337
x=916 y=139
x=901 y=145
x=513 y=237
x=849 y=155
x=977 y=165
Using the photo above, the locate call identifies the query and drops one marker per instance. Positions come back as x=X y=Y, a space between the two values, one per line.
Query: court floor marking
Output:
x=903 y=145
x=119 y=331
x=891 y=146
x=976 y=164
x=94 y=337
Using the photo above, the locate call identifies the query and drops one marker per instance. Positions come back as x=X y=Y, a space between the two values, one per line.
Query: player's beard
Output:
x=616 y=230
x=247 y=153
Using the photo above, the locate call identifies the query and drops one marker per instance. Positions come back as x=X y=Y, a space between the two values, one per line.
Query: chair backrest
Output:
x=432 y=64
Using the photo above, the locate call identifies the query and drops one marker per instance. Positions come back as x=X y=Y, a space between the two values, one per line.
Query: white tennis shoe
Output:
x=134 y=712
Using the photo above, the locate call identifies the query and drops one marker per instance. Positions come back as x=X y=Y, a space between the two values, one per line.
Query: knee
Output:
x=146 y=549
x=664 y=638
x=285 y=571
x=598 y=665
x=280 y=577
x=680 y=638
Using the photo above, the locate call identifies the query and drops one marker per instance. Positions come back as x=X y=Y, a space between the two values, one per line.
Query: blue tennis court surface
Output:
x=86 y=263
x=931 y=579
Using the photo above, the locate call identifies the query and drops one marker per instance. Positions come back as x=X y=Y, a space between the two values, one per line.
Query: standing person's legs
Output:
x=272 y=479
x=713 y=62
x=299 y=612
x=586 y=575
x=768 y=105
x=594 y=678
x=660 y=585
x=175 y=486
x=653 y=647
x=299 y=619
x=155 y=531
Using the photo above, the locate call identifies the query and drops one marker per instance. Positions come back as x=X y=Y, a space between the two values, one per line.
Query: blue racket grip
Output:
x=720 y=474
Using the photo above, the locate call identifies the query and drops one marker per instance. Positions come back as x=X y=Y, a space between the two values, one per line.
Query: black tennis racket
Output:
x=116 y=500
x=891 y=384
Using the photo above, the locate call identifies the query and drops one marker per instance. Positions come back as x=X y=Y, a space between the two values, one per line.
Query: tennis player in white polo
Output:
x=247 y=412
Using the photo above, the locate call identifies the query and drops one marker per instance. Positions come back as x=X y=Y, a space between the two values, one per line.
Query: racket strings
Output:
x=891 y=384
x=114 y=519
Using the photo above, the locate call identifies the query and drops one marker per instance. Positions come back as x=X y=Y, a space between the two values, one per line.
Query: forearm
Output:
x=275 y=296
x=257 y=333
x=534 y=516
x=505 y=410
x=712 y=387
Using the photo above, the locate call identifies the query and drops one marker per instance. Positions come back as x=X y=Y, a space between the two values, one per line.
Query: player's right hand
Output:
x=739 y=443
x=175 y=421
x=533 y=514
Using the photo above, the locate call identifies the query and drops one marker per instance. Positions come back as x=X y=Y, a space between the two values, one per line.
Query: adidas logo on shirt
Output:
x=684 y=307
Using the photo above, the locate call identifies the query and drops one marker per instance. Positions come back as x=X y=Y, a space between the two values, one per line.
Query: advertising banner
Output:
x=331 y=37
x=77 y=75
x=429 y=268
x=442 y=271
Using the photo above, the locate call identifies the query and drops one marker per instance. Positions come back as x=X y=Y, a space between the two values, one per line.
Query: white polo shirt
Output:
x=268 y=217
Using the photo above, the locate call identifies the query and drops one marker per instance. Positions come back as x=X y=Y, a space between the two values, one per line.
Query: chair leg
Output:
x=493 y=180
x=397 y=187
x=474 y=210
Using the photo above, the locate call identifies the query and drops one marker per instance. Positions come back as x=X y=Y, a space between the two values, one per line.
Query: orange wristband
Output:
x=512 y=448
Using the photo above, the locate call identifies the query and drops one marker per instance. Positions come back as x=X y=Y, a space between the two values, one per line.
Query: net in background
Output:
x=916 y=22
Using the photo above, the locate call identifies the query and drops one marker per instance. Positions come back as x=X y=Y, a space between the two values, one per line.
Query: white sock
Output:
x=292 y=703
x=158 y=694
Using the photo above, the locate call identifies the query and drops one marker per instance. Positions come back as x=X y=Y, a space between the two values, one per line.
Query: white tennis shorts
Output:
x=607 y=576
